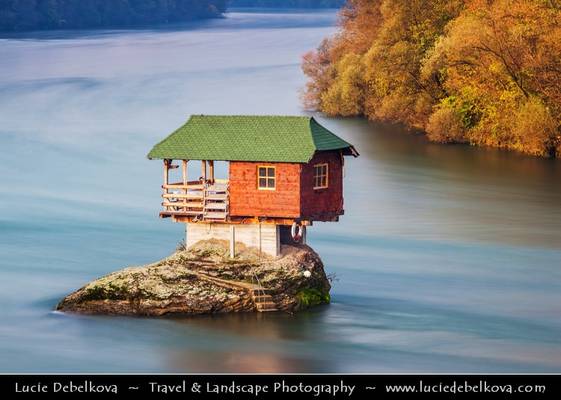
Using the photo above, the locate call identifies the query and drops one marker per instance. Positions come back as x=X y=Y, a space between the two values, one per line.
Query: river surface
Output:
x=448 y=258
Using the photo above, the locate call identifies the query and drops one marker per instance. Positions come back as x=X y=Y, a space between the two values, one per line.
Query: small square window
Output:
x=321 y=176
x=266 y=178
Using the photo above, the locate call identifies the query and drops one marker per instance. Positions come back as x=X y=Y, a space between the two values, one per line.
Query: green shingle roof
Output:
x=249 y=138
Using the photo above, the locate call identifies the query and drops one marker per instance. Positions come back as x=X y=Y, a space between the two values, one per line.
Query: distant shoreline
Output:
x=171 y=26
x=286 y=4
x=105 y=14
x=39 y=20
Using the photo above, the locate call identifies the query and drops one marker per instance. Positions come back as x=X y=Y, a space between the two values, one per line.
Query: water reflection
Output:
x=263 y=326
x=404 y=185
x=243 y=361
x=249 y=348
x=253 y=335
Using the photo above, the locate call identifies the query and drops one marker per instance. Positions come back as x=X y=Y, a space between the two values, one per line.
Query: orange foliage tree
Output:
x=484 y=72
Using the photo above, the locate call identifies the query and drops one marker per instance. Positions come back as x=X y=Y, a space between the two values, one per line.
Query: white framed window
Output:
x=266 y=177
x=321 y=176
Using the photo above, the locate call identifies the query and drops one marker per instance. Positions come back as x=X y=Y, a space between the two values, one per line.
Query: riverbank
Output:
x=204 y=280
x=484 y=75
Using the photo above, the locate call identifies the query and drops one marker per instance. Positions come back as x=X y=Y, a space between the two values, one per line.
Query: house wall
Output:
x=264 y=237
x=247 y=200
x=318 y=204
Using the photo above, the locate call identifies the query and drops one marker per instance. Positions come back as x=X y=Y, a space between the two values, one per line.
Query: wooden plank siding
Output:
x=326 y=203
x=294 y=195
x=247 y=200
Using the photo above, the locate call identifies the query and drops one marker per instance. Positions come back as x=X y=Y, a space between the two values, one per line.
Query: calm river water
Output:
x=448 y=258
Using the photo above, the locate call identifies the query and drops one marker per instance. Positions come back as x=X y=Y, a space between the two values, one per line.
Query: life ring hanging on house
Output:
x=296 y=232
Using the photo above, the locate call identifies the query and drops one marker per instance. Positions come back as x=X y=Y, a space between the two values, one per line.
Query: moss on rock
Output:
x=310 y=297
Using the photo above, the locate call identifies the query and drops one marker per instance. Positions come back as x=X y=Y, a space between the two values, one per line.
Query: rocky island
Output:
x=204 y=280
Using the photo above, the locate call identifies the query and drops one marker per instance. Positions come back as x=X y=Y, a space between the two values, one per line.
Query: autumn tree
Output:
x=359 y=21
x=485 y=72
x=500 y=64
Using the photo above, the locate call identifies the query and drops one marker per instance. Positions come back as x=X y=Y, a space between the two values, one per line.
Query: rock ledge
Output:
x=203 y=280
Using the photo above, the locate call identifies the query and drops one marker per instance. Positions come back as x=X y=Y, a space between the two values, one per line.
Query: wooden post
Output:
x=232 y=241
x=166 y=179
x=185 y=172
x=303 y=234
x=211 y=170
x=184 y=176
x=166 y=171
x=277 y=238
x=203 y=170
x=259 y=236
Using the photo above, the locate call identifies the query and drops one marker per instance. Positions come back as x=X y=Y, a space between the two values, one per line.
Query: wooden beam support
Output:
x=203 y=169
x=179 y=216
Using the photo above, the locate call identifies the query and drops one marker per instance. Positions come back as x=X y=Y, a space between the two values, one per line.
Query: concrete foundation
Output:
x=264 y=237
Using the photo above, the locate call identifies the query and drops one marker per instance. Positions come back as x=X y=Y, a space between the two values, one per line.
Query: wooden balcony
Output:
x=200 y=200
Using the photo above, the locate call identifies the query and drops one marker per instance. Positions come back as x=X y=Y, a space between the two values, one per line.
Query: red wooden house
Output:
x=284 y=173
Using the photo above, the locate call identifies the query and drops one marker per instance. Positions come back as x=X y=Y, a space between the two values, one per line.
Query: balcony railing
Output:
x=202 y=200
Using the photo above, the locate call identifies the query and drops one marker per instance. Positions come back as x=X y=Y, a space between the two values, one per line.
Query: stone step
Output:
x=267 y=309
x=267 y=304
x=263 y=298
x=267 y=301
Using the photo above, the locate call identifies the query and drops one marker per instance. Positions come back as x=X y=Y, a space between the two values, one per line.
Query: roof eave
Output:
x=352 y=151
x=295 y=161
